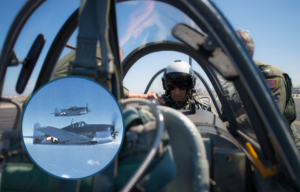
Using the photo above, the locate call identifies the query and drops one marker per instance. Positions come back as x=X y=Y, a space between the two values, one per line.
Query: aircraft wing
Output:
x=62 y=134
x=35 y=137
x=94 y=128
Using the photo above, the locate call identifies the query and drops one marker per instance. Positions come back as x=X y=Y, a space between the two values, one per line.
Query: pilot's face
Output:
x=178 y=94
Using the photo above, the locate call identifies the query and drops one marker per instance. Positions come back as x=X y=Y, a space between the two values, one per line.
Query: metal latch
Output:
x=266 y=172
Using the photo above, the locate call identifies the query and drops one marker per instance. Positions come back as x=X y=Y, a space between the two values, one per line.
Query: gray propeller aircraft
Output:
x=79 y=133
x=72 y=111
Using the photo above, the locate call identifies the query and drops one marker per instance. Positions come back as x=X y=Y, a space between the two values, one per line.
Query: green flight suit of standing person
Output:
x=281 y=86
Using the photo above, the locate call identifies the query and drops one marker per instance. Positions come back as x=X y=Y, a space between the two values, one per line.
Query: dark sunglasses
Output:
x=172 y=87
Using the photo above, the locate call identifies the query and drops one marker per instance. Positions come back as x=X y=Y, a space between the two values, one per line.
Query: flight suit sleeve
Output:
x=281 y=93
x=126 y=92
x=276 y=82
x=62 y=66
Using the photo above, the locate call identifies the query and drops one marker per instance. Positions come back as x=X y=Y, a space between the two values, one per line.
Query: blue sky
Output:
x=74 y=161
x=272 y=24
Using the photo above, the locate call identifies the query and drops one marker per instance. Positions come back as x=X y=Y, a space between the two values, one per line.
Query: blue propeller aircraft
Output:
x=79 y=133
x=72 y=111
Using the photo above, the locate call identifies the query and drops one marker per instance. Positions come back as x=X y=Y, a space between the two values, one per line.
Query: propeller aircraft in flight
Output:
x=79 y=133
x=72 y=111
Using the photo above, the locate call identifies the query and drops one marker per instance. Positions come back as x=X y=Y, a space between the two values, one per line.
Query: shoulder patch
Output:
x=272 y=83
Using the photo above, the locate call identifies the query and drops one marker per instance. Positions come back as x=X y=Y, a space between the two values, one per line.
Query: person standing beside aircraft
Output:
x=280 y=84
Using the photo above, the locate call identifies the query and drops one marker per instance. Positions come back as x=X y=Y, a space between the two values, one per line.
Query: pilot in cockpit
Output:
x=179 y=85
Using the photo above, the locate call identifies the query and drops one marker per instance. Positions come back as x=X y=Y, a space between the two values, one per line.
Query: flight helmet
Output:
x=179 y=74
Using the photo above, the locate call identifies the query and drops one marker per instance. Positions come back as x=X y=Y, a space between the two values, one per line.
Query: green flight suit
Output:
x=61 y=68
x=126 y=92
x=283 y=95
x=185 y=105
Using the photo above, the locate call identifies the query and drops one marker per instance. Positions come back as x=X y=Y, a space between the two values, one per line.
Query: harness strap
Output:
x=94 y=19
x=84 y=64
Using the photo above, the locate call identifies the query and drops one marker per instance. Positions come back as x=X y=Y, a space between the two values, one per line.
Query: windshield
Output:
x=142 y=22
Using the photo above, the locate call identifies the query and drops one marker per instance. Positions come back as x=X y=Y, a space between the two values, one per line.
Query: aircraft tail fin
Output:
x=56 y=112
x=35 y=132
x=37 y=135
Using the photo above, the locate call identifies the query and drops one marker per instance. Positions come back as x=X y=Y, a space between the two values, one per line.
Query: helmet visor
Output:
x=179 y=80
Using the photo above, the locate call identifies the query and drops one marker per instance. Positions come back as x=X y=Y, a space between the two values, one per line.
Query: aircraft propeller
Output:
x=87 y=108
x=114 y=133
